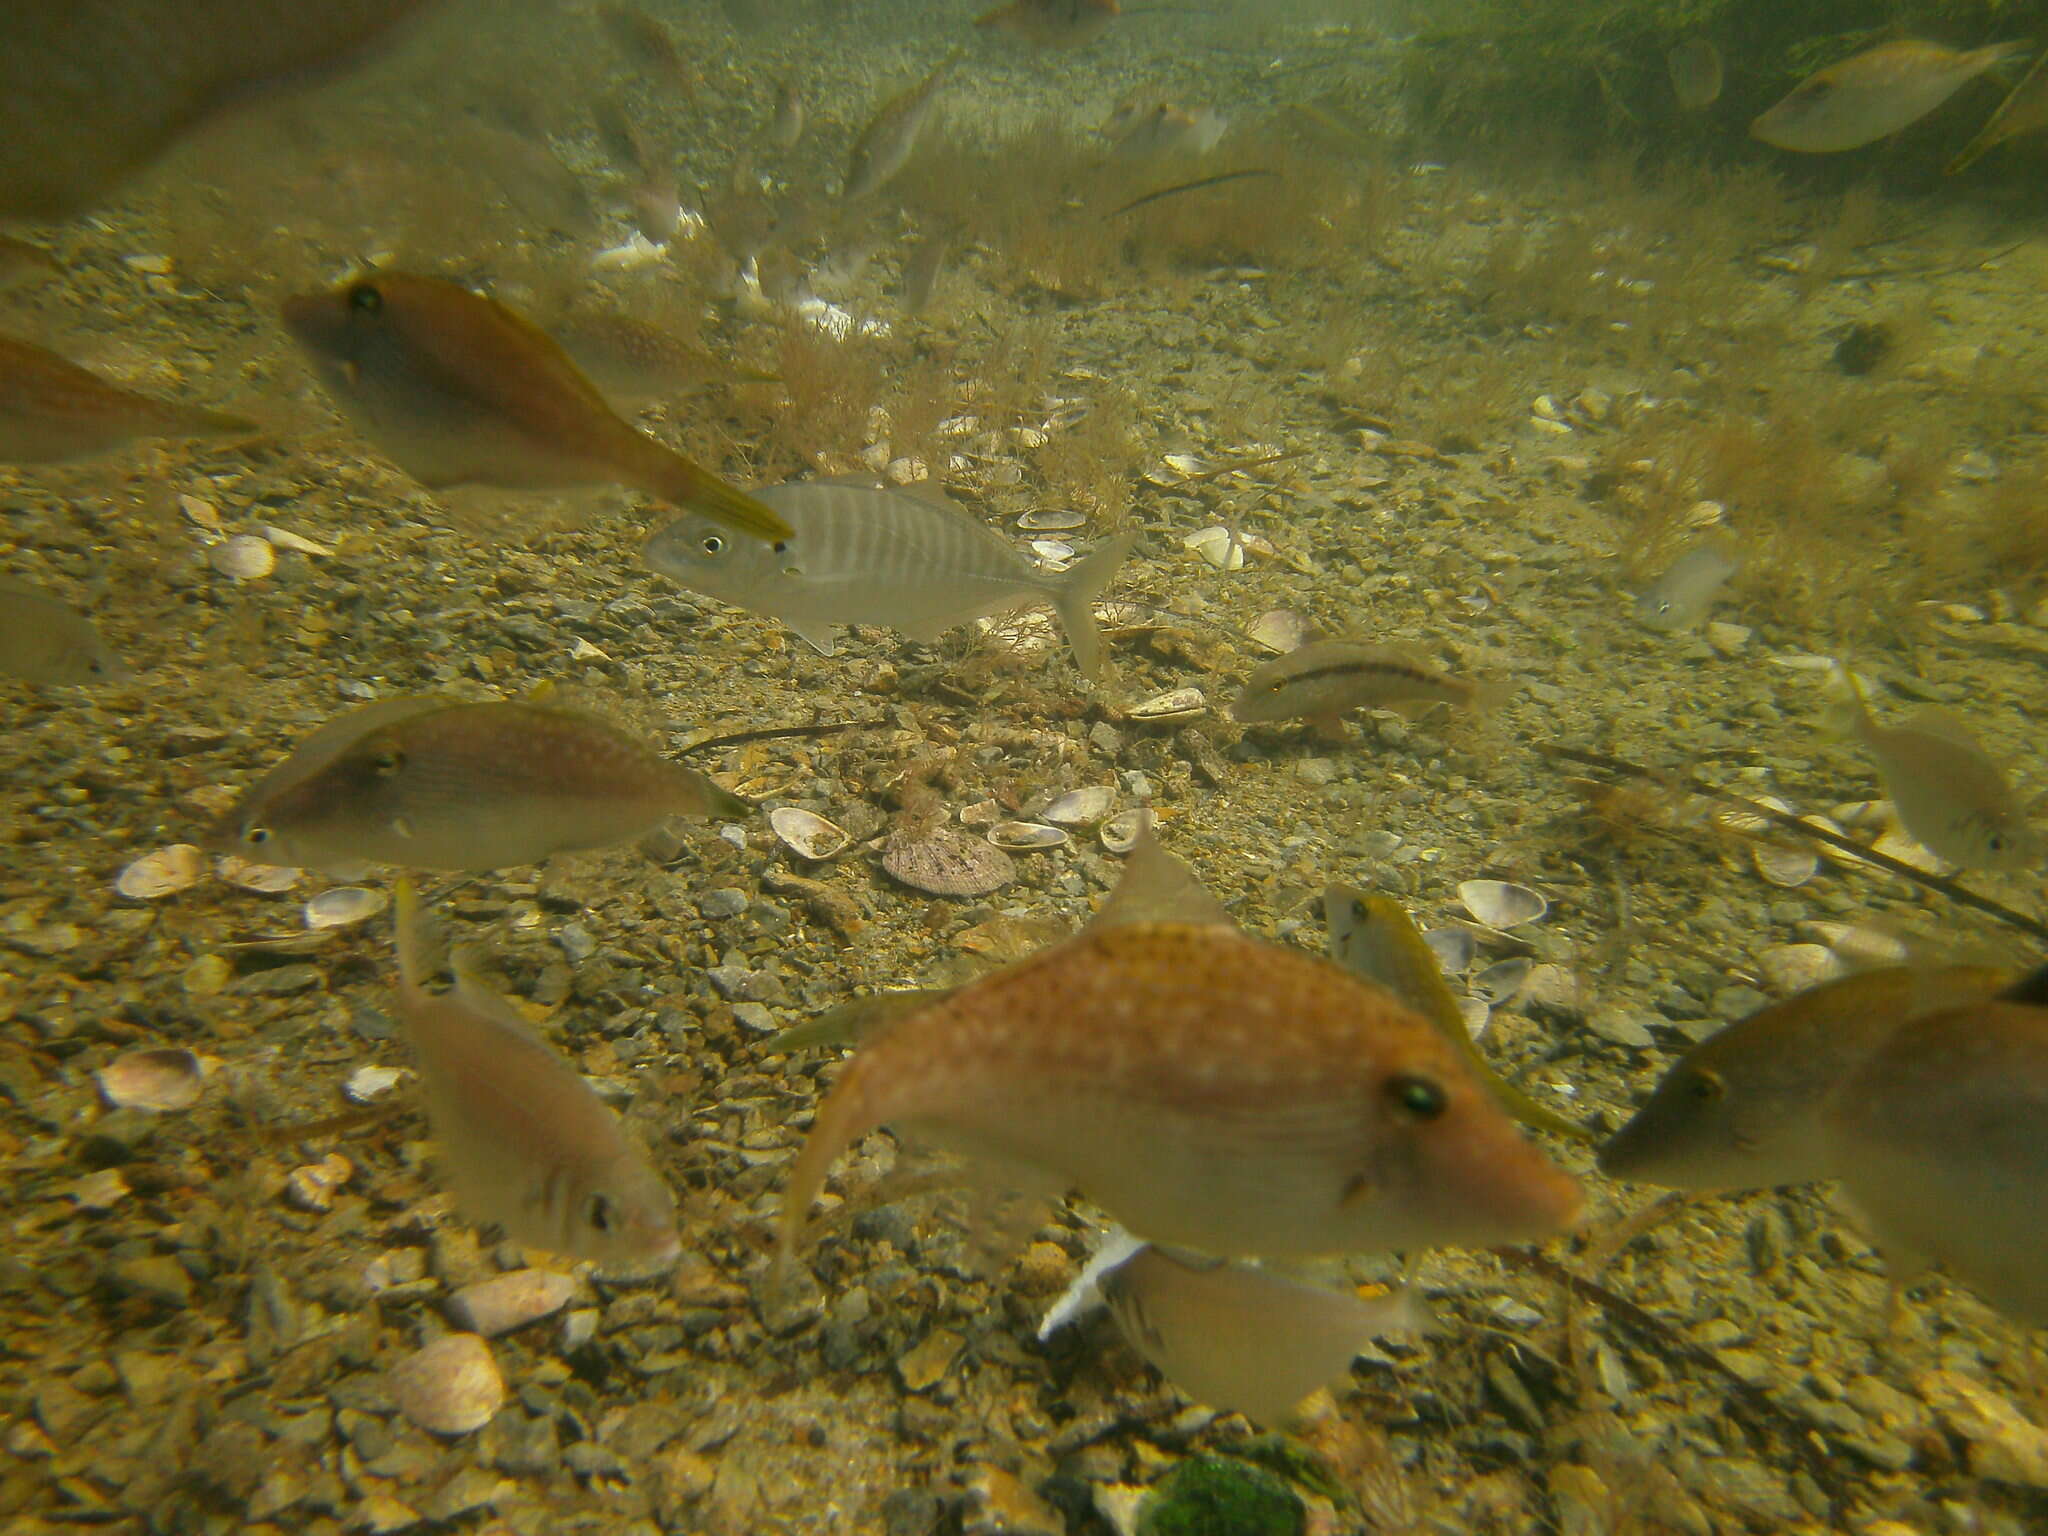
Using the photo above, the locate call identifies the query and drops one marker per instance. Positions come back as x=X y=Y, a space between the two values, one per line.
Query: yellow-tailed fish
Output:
x=1374 y=936
x=2024 y=111
x=1208 y=1090
x=435 y=783
x=458 y=389
x=1743 y=1109
x=1872 y=94
x=43 y=640
x=1947 y=791
x=1940 y=1147
x=524 y=1140
x=1233 y=1335
x=1326 y=679
x=52 y=410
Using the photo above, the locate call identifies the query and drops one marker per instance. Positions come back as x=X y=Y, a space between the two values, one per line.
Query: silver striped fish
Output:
x=865 y=553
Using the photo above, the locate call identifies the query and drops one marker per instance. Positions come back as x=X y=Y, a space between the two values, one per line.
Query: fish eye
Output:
x=388 y=761
x=365 y=299
x=599 y=1211
x=256 y=837
x=782 y=546
x=1417 y=1096
x=1707 y=1086
x=714 y=545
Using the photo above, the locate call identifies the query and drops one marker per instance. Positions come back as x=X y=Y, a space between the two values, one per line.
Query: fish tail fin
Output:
x=1846 y=711
x=1074 y=600
x=707 y=797
x=679 y=482
x=846 y=1115
x=1488 y=697
x=416 y=937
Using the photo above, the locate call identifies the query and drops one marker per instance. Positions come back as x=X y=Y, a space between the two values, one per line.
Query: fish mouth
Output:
x=312 y=321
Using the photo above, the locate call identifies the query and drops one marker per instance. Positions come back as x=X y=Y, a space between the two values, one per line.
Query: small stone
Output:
x=1618 y=1026
x=999 y=1505
x=921 y=1368
x=312 y=1186
x=1727 y=639
x=451 y=1387
x=509 y=1301
x=382 y=1513
x=1316 y=770
x=724 y=902
x=157 y=1277
x=2005 y=1445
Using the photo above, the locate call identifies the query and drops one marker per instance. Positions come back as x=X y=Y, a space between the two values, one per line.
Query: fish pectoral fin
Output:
x=819 y=637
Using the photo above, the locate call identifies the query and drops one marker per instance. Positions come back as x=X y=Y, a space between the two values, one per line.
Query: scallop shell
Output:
x=807 y=834
x=1784 y=866
x=344 y=905
x=1281 y=630
x=1120 y=834
x=1791 y=968
x=245 y=557
x=1501 y=903
x=1500 y=982
x=1051 y=520
x=1170 y=705
x=156 y=1080
x=1219 y=546
x=451 y=1387
x=1081 y=807
x=162 y=872
x=1455 y=949
x=1026 y=836
x=269 y=879
x=944 y=863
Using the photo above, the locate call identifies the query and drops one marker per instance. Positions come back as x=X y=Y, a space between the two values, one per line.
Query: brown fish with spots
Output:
x=1207 y=1089
x=52 y=410
x=458 y=389
x=1326 y=679
x=432 y=782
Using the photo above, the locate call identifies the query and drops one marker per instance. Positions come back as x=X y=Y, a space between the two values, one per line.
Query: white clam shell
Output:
x=162 y=872
x=1081 y=807
x=1455 y=949
x=1051 y=520
x=1500 y=982
x=245 y=557
x=1024 y=836
x=367 y=1084
x=284 y=538
x=1784 y=866
x=1170 y=705
x=1501 y=903
x=1120 y=834
x=807 y=834
x=269 y=879
x=157 y=1080
x=983 y=813
x=1219 y=546
x=1281 y=630
x=344 y=905
x=451 y=1387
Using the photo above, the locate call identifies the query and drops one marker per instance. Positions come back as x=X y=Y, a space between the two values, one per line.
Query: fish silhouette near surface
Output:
x=432 y=782
x=1873 y=94
x=1208 y=1089
x=458 y=389
x=52 y=410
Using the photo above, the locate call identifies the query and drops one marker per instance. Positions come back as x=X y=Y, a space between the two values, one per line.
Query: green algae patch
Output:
x=1219 y=1496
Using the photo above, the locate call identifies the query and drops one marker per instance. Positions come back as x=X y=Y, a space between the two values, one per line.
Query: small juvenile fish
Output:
x=1141 y=132
x=1696 y=73
x=1685 y=593
x=431 y=782
x=646 y=43
x=458 y=389
x=22 y=263
x=2024 y=111
x=524 y=1140
x=1051 y=23
x=1940 y=1148
x=1235 y=1336
x=1948 y=793
x=786 y=127
x=1743 y=1109
x=52 y=410
x=1872 y=94
x=43 y=640
x=1326 y=678
x=884 y=146
x=1206 y=1089
x=1375 y=937
x=863 y=553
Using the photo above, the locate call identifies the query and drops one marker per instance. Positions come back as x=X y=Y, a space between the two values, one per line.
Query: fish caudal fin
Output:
x=841 y=1119
x=1074 y=601
x=677 y=481
x=711 y=799
x=1846 y=711
x=417 y=941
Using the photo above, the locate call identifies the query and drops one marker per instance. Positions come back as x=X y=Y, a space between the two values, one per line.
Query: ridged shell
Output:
x=245 y=557
x=451 y=1387
x=1502 y=903
x=944 y=863
x=156 y=1080
x=1026 y=836
x=162 y=872
x=1170 y=705
x=1281 y=630
x=1784 y=866
x=1477 y=1014
x=269 y=879
x=1081 y=807
x=807 y=834
x=344 y=905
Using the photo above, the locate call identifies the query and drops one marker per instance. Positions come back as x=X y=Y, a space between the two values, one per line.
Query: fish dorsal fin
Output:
x=2031 y=989
x=481 y=998
x=416 y=937
x=423 y=951
x=1158 y=888
x=1416 y=979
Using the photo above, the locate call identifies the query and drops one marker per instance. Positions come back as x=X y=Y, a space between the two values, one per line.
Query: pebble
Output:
x=509 y=1301
x=726 y=901
x=156 y=1277
x=2005 y=1445
x=926 y=1362
x=998 y=1504
x=450 y=1387
x=1618 y=1026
